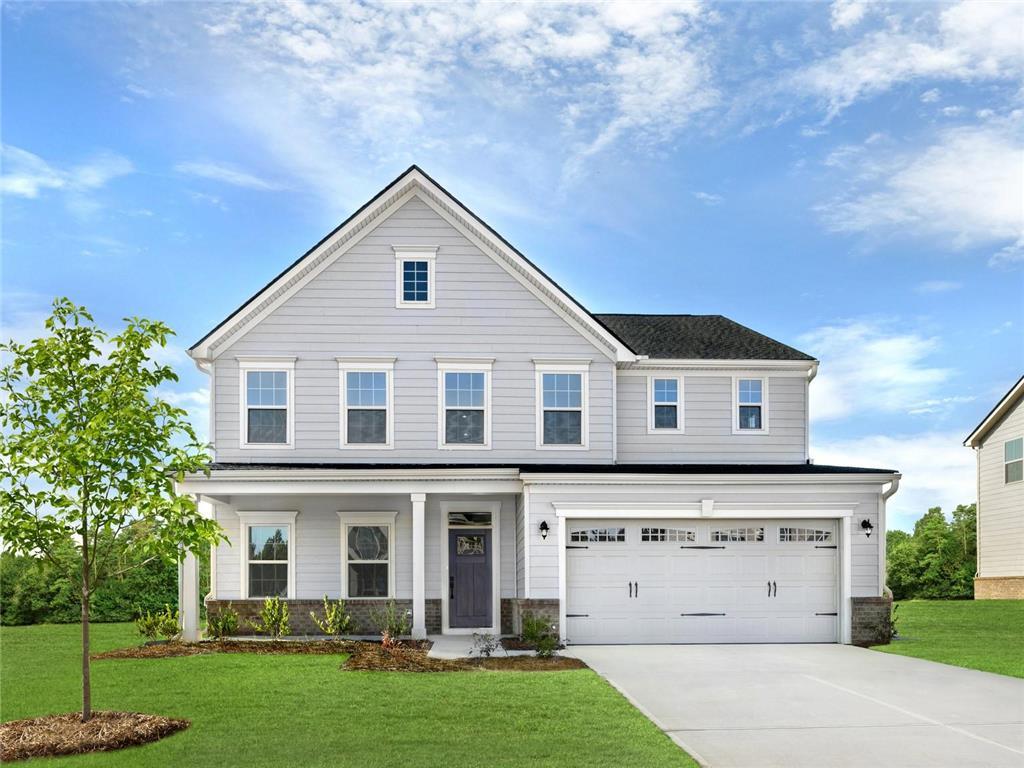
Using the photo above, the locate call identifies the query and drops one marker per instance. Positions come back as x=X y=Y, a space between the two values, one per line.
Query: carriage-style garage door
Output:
x=701 y=581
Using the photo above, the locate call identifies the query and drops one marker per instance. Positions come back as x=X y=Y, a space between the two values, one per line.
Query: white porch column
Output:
x=419 y=572
x=188 y=597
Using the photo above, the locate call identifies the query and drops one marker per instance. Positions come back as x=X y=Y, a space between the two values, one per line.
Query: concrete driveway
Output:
x=819 y=706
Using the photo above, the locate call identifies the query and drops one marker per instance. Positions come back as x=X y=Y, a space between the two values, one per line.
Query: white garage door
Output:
x=700 y=581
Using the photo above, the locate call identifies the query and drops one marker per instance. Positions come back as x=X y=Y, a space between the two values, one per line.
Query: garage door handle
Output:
x=775 y=589
x=630 y=588
x=702 y=614
x=636 y=588
x=769 y=588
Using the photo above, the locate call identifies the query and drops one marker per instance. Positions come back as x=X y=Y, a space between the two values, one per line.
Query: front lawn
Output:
x=249 y=710
x=980 y=634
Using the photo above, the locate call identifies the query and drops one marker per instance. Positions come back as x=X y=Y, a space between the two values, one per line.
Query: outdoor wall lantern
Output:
x=544 y=529
x=867 y=526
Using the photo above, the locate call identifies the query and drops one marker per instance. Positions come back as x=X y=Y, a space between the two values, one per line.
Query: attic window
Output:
x=414 y=276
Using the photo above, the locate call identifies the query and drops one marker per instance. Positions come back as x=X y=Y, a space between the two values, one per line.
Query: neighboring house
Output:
x=998 y=443
x=414 y=411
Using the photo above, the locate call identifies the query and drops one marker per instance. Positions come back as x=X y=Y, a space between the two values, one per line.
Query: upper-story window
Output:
x=563 y=398
x=1013 y=460
x=750 y=405
x=464 y=398
x=414 y=276
x=664 y=408
x=367 y=419
x=266 y=402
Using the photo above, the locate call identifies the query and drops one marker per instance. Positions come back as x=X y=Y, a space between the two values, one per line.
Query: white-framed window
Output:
x=266 y=387
x=268 y=559
x=820 y=535
x=667 y=534
x=597 y=535
x=664 y=404
x=738 y=534
x=367 y=401
x=368 y=562
x=1013 y=460
x=414 y=276
x=563 y=400
x=464 y=402
x=750 y=405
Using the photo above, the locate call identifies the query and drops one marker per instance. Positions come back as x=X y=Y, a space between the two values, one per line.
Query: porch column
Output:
x=188 y=597
x=419 y=573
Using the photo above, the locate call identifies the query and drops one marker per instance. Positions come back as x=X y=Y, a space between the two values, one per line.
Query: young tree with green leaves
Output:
x=90 y=453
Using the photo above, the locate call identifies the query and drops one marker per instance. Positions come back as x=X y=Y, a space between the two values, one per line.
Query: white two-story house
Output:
x=413 y=411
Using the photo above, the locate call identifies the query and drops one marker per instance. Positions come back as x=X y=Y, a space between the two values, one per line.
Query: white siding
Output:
x=349 y=310
x=1001 y=506
x=544 y=554
x=708 y=419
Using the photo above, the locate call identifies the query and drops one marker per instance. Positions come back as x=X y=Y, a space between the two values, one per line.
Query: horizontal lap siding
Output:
x=544 y=553
x=1001 y=507
x=348 y=310
x=708 y=420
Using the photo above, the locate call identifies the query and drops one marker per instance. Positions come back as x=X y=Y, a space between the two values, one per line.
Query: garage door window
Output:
x=805 y=534
x=738 y=534
x=667 y=534
x=597 y=535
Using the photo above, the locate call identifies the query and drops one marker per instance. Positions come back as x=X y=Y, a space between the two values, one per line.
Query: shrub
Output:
x=540 y=634
x=224 y=623
x=894 y=618
x=485 y=644
x=161 y=624
x=336 y=620
x=391 y=620
x=546 y=645
x=273 y=618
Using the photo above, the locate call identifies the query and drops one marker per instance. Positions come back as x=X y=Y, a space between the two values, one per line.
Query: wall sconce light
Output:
x=544 y=529
x=867 y=526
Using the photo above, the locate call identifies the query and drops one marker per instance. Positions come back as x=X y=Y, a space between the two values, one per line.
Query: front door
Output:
x=470 y=598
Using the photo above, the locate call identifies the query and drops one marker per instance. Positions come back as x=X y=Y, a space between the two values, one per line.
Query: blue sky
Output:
x=848 y=178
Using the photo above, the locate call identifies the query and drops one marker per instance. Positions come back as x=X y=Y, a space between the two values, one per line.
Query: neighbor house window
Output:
x=664 y=406
x=266 y=403
x=268 y=559
x=368 y=550
x=366 y=408
x=562 y=416
x=414 y=276
x=750 y=405
x=465 y=401
x=1013 y=460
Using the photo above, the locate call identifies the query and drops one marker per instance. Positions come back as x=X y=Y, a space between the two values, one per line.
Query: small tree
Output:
x=89 y=454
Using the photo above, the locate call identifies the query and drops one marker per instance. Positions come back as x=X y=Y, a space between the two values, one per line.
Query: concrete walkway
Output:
x=818 y=706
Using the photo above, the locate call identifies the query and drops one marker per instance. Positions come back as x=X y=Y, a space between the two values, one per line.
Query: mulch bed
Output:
x=517 y=644
x=371 y=657
x=262 y=647
x=529 y=663
x=67 y=735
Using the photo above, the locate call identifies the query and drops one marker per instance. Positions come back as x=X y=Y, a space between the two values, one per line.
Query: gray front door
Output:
x=469 y=578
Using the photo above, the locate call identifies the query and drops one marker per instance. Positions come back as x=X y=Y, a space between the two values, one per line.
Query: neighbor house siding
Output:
x=349 y=310
x=1001 y=505
x=707 y=436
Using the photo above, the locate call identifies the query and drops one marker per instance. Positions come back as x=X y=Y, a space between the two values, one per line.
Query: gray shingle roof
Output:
x=696 y=337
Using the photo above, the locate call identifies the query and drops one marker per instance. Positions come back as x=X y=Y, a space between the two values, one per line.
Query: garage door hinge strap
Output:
x=577 y=615
x=575 y=546
x=826 y=614
x=700 y=546
x=826 y=546
x=702 y=614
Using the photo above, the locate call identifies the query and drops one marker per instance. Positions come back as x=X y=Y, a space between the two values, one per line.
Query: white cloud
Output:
x=938 y=286
x=931 y=95
x=969 y=41
x=26 y=174
x=708 y=198
x=224 y=173
x=937 y=469
x=867 y=367
x=965 y=190
x=847 y=13
x=955 y=111
x=1009 y=256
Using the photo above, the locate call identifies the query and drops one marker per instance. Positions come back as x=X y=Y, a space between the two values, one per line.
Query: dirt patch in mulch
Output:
x=67 y=735
x=163 y=651
x=371 y=657
x=528 y=663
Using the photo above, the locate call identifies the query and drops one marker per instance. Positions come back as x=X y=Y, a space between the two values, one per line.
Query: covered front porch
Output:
x=447 y=549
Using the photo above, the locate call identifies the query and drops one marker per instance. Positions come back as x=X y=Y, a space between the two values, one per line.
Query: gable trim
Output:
x=1009 y=400
x=412 y=182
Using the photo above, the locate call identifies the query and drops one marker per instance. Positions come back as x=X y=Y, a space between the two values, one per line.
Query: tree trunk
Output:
x=86 y=681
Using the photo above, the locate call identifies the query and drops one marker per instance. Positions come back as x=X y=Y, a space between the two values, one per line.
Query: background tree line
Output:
x=938 y=560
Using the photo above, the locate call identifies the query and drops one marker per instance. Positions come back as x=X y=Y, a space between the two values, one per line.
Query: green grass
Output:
x=249 y=710
x=979 y=634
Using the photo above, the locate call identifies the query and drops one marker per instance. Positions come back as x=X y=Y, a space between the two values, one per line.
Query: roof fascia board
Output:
x=648 y=363
x=572 y=478
x=1010 y=399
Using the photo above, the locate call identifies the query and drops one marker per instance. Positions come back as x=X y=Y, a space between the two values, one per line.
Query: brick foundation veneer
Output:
x=871 y=620
x=999 y=588
x=546 y=608
x=301 y=623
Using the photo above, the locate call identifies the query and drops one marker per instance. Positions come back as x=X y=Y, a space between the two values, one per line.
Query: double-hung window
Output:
x=366 y=402
x=266 y=401
x=563 y=405
x=368 y=543
x=1013 y=460
x=665 y=404
x=464 y=393
x=750 y=405
x=268 y=561
x=414 y=276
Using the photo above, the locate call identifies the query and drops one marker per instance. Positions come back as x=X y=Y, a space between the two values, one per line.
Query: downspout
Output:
x=206 y=366
x=811 y=374
x=883 y=532
x=977 y=511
